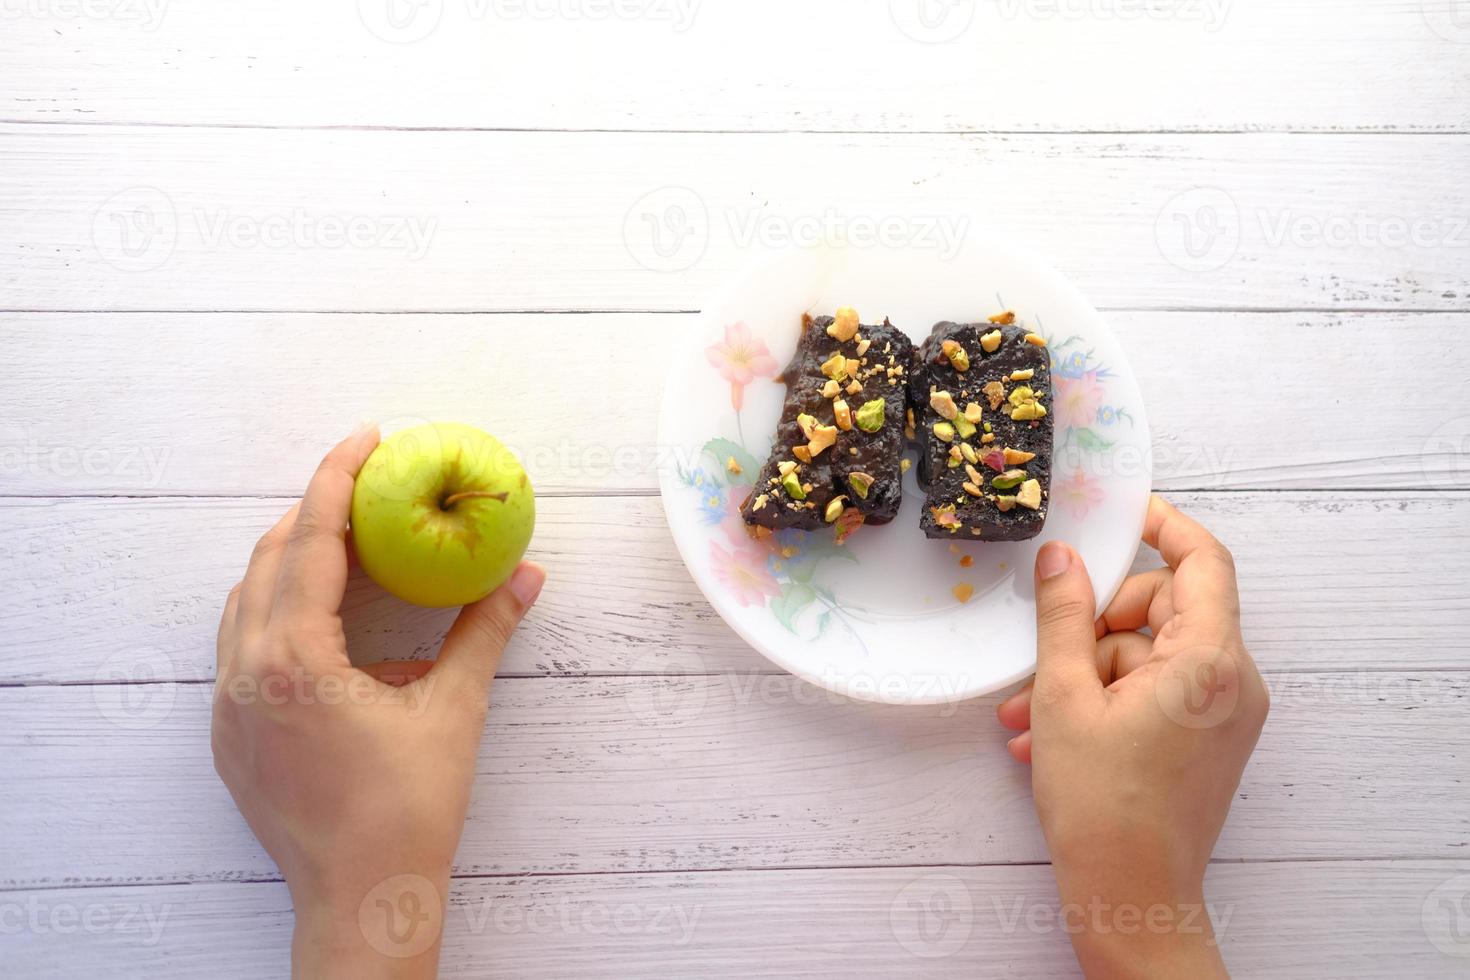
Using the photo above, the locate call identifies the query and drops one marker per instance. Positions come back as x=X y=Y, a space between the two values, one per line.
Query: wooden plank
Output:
x=244 y=404
x=728 y=771
x=116 y=589
x=1272 y=920
x=684 y=64
x=121 y=218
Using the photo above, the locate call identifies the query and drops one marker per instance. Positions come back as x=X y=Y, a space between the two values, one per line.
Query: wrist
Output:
x=391 y=928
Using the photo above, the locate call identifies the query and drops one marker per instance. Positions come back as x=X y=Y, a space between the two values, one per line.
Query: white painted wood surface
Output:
x=1306 y=397
x=1354 y=920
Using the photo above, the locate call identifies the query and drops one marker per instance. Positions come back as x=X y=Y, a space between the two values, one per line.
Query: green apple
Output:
x=441 y=514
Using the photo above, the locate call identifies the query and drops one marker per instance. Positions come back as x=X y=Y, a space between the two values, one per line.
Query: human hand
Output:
x=356 y=781
x=1137 y=745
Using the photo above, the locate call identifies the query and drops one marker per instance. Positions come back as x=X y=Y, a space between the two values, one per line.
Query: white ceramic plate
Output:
x=876 y=619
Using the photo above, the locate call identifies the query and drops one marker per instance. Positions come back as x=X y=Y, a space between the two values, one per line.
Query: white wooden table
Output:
x=229 y=232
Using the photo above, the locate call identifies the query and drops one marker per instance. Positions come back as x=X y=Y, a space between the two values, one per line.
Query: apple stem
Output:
x=473 y=495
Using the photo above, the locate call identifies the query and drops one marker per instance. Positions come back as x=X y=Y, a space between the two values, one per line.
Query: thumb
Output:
x=1066 y=611
x=472 y=649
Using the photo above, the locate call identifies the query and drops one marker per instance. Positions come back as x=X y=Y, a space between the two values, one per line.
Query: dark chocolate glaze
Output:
x=878 y=454
x=980 y=519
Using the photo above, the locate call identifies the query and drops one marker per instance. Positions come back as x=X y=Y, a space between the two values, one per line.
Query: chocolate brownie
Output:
x=980 y=399
x=838 y=452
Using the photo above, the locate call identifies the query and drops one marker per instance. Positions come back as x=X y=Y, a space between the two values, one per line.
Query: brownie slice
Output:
x=838 y=452
x=980 y=398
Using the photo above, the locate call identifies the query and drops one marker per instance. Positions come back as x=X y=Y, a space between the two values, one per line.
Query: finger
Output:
x=1066 y=645
x=1120 y=654
x=313 y=573
x=1204 y=568
x=1142 y=600
x=397 y=673
x=1020 y=748
x=1015 y=711
x=258 y=591
x=224 y=641
x=471 y=652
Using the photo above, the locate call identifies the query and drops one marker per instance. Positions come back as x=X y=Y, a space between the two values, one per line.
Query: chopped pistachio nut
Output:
x=1025 y=375
x=802 y=453
x=973 y=490
x=987 y=426
x=1014 y=457
x=823 y=437
x=792 y=485
x=870 y=416
x=958 y=358
x=908 y=424
x=808 y=424
x=854 y=388
x=732 y=467
x=1021 y=395
x=943 y=403
x=843 y=414
x=903 y=467
x=786 y=467
x=1005 y=503
x=973 y=412
x=863 y=346
x=1036 y=340
x=1028 y=412
x=834 y=509
x=944 y=431
x=954 y=458
x=761 y=501
x=835 y=367
x=987 y=439
x=1004 y=319
x=969 y=453
x=861 y=483
x=831 y=389
x=1029 y=496
x=973 y=474
x=1009 y=480
x=844 y=325
x=990 y=343
x=964 y=427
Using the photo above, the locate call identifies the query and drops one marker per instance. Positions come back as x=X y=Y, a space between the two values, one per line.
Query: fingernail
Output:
x=1012 y=742
x=1053 y=559
x=526 y=583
